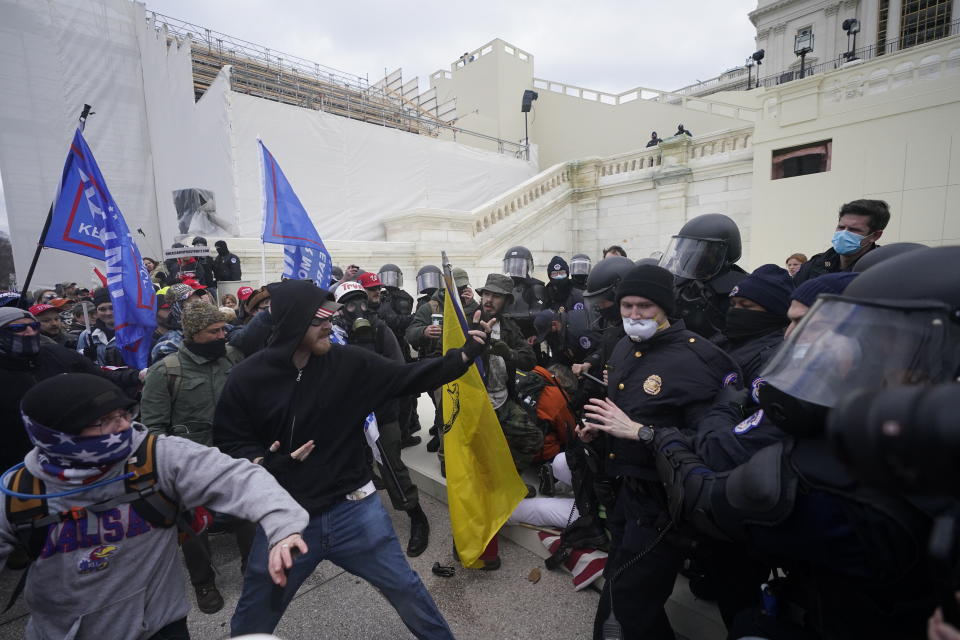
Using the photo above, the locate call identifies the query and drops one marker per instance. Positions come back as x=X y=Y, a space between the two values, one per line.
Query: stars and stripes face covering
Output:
x=78 y=459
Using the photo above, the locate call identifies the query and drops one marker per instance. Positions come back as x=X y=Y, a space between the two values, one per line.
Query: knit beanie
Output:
x=101 y=296
x=769 y=286
x=9 y=314
x=834 y=283
x=198 y=317
x=178 y=292
x=558 y=266
x=69 y=402
x=651 y=282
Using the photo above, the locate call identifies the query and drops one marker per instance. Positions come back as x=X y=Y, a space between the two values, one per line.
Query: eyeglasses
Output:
x=104 y=308
x=49 y=296
x=115 y=418
x=20 y=328
x=318 y=322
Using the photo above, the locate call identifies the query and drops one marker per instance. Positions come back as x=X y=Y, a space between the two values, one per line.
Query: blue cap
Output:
x=836 y=283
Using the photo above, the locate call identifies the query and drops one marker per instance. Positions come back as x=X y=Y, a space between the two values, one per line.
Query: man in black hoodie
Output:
x=305 y=396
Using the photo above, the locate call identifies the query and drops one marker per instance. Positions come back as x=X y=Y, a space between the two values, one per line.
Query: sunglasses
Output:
x=317 y=322
x=20 y=328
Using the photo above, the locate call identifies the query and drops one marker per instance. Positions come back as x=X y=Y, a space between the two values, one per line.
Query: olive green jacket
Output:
x=180 y=400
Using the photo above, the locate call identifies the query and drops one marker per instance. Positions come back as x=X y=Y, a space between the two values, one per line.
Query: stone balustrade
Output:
x=704 y=105
x=543 y=184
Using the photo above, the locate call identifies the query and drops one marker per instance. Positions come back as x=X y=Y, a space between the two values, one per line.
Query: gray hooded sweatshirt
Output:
x=116 y=576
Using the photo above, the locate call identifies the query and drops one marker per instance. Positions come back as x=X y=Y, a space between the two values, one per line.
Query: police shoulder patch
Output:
x=730 y=378
x=749 y=423
x=585 y=342
x=755 y=388
x=578 y=306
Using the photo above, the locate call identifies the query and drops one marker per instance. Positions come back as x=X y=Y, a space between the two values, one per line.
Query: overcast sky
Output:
x=607 y=45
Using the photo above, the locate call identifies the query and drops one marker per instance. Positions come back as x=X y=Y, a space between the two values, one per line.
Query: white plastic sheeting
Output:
x=150 y=138
x=349 y=175
x=54 y=57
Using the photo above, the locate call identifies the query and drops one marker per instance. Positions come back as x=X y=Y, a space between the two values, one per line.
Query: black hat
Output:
x=199 y=240
x=651 y=282
x=769 y=286
x=558 y=266
x=69 y=402
x=100 y=296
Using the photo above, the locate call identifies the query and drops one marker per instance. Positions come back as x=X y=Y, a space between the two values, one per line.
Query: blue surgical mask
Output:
x=847 y=242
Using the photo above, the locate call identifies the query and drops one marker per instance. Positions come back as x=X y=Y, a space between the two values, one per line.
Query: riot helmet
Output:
x=887 y=251
x=602 y=288
x=896 y=324
x=428 y=280
x=391 y=277
x=580 y=267
x=703 y=247
x=518 y=262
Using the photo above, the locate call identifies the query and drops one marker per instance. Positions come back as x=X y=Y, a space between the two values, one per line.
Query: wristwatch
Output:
x=645 y=434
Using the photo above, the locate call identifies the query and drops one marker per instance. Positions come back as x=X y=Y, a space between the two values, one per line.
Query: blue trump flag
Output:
x=286 y=222
x=87 y=220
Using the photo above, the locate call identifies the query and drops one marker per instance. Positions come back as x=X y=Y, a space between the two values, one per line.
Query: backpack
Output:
x=31 y=517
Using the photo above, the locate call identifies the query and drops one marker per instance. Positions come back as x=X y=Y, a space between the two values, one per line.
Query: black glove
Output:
x=275 y=461
x=739 y=398
x=502 y=349
x=472 y=349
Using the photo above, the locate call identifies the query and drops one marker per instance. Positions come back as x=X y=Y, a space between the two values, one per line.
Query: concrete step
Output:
x=690 y=617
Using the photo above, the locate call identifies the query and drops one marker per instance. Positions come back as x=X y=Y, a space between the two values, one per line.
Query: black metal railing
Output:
x=932 y=34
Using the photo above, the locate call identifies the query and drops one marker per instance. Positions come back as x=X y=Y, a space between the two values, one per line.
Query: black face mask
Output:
x=611 y=314
x=17 y=345
x=744 y=323
x=222 y=251
x=210 y=350
x=559 y=289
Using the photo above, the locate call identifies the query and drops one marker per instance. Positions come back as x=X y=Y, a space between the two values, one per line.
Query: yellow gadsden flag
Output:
x=483 y=487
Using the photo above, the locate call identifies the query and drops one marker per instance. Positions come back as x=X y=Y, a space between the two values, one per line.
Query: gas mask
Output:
x=356 y=320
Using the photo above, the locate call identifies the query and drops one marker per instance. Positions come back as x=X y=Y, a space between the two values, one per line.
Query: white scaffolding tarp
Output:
x=151 y=140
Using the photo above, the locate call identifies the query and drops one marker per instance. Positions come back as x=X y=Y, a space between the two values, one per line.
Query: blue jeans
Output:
x=357 y=536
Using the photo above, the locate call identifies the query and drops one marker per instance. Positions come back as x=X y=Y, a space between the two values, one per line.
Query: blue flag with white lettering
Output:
x=87 y=220
x=286 y=222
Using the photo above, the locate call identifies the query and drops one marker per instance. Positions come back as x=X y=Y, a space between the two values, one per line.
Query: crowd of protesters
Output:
x=253 y=408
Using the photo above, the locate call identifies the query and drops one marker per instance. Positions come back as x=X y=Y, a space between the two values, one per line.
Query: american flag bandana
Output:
x=76 y=459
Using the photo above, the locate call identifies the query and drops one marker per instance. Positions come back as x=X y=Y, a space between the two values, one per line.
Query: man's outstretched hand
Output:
x=281 y=558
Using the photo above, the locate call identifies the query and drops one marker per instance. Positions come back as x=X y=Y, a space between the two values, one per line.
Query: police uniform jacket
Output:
x=666 y=381
x=752 y=354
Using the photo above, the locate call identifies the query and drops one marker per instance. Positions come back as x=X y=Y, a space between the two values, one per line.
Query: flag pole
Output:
x=263 y=263
x=46 y=226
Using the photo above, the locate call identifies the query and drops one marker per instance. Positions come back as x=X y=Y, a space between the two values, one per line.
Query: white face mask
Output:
x=639 y=329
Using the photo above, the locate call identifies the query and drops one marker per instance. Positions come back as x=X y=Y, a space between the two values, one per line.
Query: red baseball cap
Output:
x=37 y=309
x=243 y=293
x=370 y=281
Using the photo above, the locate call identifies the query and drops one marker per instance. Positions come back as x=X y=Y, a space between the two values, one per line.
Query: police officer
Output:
x=602 y=312
x=853 y=554
x=561 y=294
x=366 y=331
x=528 y=294
x=659 y=374
x=756 y=320
x=396 y=311
x=428 y=282
x=580 y=270
x=702 y=256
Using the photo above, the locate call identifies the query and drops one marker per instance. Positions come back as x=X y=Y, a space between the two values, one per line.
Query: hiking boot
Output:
x=434 y=445
x=419 y=532
x=491 y=565
x=548 y=484
x=209 y=599
x=410 y=441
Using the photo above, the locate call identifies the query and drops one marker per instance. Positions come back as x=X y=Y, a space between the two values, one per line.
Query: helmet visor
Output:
x=843 y=345
x=694 y=258
x=579 y=267
x=597 y=307
x=517 y=267
x=391 y=279
x=429 y=280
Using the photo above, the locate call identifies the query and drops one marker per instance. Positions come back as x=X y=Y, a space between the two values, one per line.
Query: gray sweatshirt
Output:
x=116 y=576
